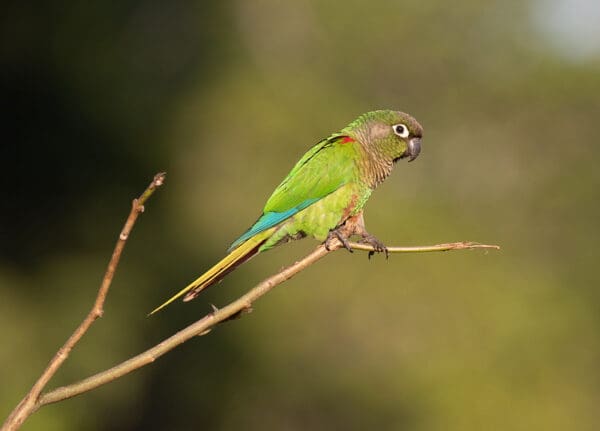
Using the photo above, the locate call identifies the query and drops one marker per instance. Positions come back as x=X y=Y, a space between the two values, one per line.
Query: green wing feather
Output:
x=322 y=170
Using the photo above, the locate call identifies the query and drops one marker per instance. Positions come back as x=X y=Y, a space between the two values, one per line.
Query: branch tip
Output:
x=159 y=179
x=34 y=399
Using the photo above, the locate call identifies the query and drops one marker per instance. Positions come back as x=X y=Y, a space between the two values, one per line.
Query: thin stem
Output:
x=34 y=399
x=427 y=248
x=30 y=403
x=233 y=309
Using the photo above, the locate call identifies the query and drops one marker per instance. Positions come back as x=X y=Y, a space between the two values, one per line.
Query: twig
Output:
x=35 y=399
x=31 y=402
x=235 y=308
x=427 y=248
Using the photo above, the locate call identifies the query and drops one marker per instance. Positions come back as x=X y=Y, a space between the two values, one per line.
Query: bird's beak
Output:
x=414 y=148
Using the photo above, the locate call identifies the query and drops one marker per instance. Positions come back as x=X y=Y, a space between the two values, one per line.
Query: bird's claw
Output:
x=336 y=234
x=378 y=246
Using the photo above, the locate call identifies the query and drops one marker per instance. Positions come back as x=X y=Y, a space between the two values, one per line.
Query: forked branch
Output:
x=31 y=402
x=35 y=399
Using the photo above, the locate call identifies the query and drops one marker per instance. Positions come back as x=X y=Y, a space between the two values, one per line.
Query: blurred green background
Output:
x=226 y=96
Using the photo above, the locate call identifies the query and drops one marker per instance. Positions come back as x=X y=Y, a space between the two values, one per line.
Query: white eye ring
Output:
x=401 y=130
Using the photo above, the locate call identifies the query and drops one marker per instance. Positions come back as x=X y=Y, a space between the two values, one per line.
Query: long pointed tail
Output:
x=235 y=258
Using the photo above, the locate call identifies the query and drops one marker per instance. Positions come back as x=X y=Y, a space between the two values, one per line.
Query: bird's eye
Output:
x=401 y=130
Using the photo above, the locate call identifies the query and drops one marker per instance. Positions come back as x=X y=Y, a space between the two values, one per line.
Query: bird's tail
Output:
x=236 y=257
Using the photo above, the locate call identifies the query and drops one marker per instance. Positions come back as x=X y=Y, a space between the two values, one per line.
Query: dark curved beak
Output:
x=414 y=148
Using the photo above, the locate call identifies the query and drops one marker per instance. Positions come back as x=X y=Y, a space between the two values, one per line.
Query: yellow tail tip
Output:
x=156 y=310
x=172 y=299
x=238 y=255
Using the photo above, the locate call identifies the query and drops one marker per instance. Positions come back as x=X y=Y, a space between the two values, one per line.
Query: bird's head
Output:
x=393 y=135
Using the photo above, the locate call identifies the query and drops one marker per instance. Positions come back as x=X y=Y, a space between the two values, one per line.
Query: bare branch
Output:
x=35 y=399
x=427 y=248
x=233 y=309
x=30 y=403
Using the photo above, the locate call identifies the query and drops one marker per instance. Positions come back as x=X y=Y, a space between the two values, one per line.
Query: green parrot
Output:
x=324 y=194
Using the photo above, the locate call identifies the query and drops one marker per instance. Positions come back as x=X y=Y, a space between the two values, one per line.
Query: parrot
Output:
x=324 y=194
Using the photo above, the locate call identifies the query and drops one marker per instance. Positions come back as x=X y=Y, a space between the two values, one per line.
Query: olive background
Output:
x=226 y=96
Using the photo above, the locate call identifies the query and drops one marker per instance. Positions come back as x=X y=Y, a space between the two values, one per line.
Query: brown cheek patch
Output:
x=379 y=131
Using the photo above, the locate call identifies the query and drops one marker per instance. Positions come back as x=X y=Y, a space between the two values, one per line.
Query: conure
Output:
x=324 y=194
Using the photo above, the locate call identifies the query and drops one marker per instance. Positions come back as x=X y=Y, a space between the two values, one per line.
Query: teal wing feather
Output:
x=322 y=170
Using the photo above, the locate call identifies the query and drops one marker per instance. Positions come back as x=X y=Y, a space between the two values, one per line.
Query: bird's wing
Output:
x=322 y=170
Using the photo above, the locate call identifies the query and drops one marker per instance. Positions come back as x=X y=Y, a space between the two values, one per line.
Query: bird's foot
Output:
x=378 y=246
x=337 y=234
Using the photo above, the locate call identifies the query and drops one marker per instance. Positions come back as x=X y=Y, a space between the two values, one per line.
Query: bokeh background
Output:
x=225 y=96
